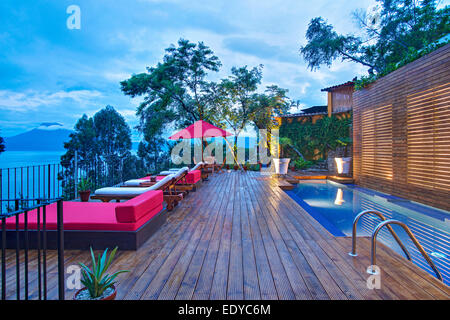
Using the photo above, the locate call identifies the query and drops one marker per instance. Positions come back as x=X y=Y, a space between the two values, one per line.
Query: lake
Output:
x=12 y=159
x=23 y=174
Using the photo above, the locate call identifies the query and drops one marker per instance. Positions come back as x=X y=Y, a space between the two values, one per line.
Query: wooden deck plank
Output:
x=235 y=289
x=279 y=274
x=220 y=275
x=250 y=272
x=189 y=282
x=170 y=290
x=320 y=274
x=265 y=278
x=205 y=278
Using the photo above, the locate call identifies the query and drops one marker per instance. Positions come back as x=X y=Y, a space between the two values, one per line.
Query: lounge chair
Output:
x=191 y=181
x=171 y=196
x=206 y=168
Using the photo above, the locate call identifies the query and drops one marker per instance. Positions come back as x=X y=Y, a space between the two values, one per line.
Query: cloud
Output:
x=30 y=100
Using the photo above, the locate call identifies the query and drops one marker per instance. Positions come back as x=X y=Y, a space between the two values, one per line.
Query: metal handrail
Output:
x=411 y=236
x=383 y=218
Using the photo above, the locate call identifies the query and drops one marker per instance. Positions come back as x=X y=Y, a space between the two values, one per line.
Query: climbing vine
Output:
x=314 y=140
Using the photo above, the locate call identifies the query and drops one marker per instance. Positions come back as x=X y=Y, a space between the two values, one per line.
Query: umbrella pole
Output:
x=232 y=152
x=202 y=148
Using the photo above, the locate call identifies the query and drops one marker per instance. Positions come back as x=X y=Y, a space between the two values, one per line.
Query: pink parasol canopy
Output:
x=200 y=129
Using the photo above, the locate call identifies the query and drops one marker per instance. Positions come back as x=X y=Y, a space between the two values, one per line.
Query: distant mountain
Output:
x=47 y=137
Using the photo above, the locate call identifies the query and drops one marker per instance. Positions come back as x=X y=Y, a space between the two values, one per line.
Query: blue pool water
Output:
x=335 y=206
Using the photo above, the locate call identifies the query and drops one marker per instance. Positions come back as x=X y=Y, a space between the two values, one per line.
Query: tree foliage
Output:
x=2 y=145
x=273 y=103
x=235 y=98
x=399 y=28
x=177 y=86
x=102 y=144
x=175 y=92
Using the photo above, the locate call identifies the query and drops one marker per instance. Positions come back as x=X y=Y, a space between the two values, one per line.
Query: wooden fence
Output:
x=401 y=131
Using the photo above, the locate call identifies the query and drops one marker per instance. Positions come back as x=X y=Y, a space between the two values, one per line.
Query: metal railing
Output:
x=387 y=223
x=51 y=181
x=377 y=229
x=15 y=234
x=383 y=218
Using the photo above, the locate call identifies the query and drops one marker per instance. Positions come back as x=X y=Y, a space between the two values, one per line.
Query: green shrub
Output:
x=85 y=184
x=301 y=164
x=95 y=280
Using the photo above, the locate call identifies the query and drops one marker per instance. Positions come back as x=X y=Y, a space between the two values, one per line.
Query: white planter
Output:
x=281 y=165
x=343 y=165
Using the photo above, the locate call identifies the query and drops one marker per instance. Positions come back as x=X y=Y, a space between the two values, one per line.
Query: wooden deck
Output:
x=241 y=237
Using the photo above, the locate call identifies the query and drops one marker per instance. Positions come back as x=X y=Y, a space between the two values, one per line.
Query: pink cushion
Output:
x=191 y=178
x=97 y=215
x=194 y=176
x=134 y=209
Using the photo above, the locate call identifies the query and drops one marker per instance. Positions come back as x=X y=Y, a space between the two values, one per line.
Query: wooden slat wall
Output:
x=376 y=149
x=401 y=131
x=428 y=129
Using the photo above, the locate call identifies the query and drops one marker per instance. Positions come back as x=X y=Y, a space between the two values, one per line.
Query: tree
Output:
x=401 y=27
x=102 y=145
x=113 y=135
x=2 y=145
x=82 y=140
x=153 y=148
x=178 y=84
x=269 y=105
x=175 y=91
x=235 y=98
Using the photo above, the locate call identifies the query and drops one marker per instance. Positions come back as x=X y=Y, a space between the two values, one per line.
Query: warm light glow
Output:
x=339 y=165
x=339 y=197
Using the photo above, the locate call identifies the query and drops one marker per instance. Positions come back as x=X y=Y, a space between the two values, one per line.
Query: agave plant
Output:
x=85 y=184
x=97 y=280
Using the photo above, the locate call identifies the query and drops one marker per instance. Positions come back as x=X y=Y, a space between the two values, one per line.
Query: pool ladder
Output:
x=387 y=223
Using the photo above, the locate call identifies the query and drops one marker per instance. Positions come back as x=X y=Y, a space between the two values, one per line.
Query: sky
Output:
x=50 y=73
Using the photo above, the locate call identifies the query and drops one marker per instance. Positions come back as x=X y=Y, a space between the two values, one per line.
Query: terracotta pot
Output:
x=112 y=296
x=84 y=195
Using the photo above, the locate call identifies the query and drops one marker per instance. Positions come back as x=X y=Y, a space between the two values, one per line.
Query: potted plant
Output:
x=282 y=164
x=84 y=189
x=98 y=285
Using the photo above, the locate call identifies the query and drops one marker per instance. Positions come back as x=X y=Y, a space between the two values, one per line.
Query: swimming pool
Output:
x=335 y=206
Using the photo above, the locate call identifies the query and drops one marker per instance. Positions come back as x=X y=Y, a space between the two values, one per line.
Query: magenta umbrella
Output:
x=201 y=129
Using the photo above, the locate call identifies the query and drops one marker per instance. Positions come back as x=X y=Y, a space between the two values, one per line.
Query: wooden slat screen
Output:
x=428 y=136
x=376 y=130
x=419 y=146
